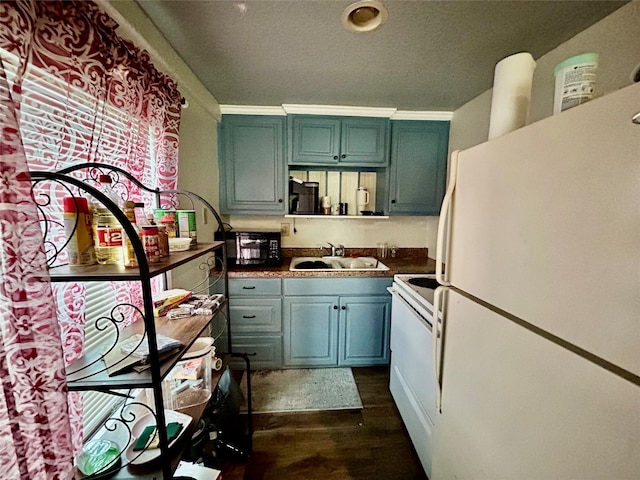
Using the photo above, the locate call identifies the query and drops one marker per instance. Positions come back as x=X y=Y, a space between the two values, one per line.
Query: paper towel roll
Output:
x=511 y=94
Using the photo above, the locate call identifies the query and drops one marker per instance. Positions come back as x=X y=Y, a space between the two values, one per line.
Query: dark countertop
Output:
x=406 y=261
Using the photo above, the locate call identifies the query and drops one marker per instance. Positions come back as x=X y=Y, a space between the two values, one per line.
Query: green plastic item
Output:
x=97 y=455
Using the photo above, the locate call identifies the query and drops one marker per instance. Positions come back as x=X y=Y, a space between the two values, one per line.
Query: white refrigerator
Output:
x=538 y=356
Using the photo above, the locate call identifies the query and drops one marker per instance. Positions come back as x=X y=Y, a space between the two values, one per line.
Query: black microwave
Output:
x=252 y=248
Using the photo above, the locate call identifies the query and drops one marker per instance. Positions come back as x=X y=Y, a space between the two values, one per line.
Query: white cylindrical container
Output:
x=511 y=94
x=362 y=199
x=575 y=81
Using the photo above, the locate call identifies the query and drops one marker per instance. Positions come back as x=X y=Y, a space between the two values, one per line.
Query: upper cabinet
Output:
x=416 y=179
x=252 y=164
x=338 y=141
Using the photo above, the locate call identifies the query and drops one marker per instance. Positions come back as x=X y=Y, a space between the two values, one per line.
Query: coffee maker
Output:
x=303 y=197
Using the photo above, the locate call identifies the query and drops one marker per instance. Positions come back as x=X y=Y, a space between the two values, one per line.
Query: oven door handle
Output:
x=438 y=296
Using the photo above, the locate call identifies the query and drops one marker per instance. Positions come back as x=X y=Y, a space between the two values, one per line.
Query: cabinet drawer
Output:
x=263 y=351
x=258 y=315
x=254 y=287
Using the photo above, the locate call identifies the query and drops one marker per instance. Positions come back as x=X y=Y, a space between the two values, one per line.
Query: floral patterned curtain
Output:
x=105 y=103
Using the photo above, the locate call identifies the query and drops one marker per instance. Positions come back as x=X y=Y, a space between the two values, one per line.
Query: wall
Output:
x=614 y=38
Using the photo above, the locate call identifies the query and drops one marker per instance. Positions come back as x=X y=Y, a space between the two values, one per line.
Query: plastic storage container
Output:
x=189 y=383
x=575 y=81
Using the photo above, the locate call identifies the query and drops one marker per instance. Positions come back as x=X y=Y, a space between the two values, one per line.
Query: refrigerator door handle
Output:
x=436 y=331
x=444 y=222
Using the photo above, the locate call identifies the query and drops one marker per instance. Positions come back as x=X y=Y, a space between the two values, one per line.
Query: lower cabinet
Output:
x=311 y=331
x=310 y=322
x=255 y=308
x=348 y=328
x=364 y=325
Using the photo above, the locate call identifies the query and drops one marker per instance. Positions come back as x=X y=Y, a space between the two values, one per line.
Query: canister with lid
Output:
x=77 y=225
x=151 y=243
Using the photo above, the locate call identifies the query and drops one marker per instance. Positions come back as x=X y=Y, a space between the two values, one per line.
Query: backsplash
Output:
x=403 y=232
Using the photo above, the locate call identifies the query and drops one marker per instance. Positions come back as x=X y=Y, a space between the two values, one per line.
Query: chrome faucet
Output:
x=336 y=251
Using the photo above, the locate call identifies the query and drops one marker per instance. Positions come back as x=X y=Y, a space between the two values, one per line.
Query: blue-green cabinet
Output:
x=364 y=330
x=416 y=178
x=336 y=322
x=252 y=151
x=255 y=309
x=338 y=141
x=311 y=331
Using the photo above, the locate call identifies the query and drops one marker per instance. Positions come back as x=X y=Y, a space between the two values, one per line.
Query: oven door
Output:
x=412 y=379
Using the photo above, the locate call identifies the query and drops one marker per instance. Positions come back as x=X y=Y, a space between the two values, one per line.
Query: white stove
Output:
x=418 y=297
x=412 y=380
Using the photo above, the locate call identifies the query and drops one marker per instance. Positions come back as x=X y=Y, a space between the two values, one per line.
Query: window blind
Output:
x=61 y=125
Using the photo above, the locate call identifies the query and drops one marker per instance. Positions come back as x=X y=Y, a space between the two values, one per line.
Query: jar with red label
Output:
x=107 y=237
x=151 y=243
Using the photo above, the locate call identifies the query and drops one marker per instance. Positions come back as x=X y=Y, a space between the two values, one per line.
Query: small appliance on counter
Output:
x=252 y=247
x=303 y=197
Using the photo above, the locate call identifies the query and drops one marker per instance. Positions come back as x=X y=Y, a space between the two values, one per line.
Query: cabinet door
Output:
x=417 y=173
x=364 y=142
x=311 y=331
x=252 y=152
x=314 y=140
x=364 y=330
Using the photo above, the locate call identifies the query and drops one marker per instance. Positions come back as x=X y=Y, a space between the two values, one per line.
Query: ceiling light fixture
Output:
x=364 y=16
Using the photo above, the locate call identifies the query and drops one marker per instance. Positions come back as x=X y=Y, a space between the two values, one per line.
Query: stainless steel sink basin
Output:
x=336 y=263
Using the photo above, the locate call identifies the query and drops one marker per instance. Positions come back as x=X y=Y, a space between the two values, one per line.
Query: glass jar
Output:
x=164 y=240
x=151 y=243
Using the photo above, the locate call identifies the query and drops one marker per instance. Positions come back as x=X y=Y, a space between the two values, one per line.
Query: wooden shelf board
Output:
x=119 y=272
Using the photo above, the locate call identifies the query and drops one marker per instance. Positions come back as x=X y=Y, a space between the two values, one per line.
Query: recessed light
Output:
x=364 y=16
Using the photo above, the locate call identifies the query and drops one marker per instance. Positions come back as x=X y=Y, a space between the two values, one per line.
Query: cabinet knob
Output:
x=279 y=200
x=344 y=156
x=393 y=201
x=335 y=157
x=335 y=307
x=343 y=307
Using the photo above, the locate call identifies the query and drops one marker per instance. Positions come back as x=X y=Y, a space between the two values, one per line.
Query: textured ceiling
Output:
x=430 y=55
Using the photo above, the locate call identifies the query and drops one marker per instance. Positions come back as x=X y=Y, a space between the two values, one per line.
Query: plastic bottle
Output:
x=77 y=225
x=106 y=187
x=130 y=259
x=107 y=236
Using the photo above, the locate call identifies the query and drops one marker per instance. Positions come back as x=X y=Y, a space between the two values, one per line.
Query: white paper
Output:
x=198 y=472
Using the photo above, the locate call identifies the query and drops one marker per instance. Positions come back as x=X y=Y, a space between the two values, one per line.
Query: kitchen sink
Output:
x=336 y=263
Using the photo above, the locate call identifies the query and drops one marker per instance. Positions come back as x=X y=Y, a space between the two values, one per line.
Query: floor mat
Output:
x=302 y=389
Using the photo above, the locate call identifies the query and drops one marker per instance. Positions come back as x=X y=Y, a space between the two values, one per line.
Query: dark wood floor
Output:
x=334 y=445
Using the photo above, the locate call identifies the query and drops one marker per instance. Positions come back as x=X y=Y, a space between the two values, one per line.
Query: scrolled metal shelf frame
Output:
x=69 y=178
